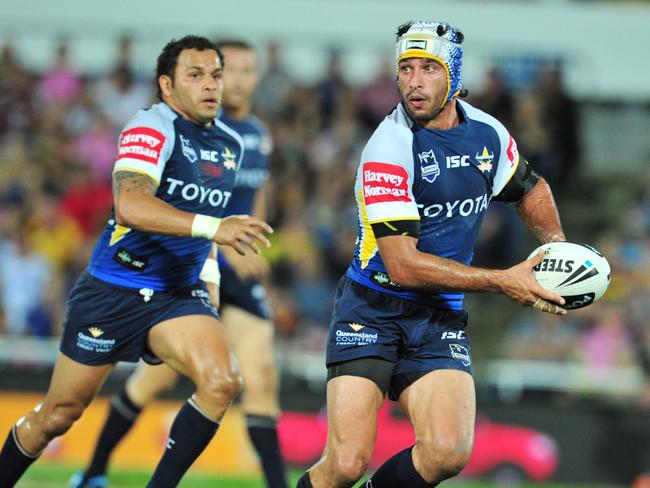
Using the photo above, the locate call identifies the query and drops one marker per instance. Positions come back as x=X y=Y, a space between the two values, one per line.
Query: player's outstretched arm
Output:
x=137 y=207
x=538 y=211
x=409 y=267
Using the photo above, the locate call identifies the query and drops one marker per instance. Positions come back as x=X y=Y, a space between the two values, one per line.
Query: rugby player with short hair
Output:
x=140 y=296
x=425 y=179
x=244 y=311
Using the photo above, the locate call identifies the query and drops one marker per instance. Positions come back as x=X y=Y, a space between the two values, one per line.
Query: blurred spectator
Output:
x=542 y=337
x=61 y=83
x=332 y=87
x=24 y=278
x=121 y=95
x=378 y=98
x=87 y=201
x=560 y=119
x=606 y=343
x=51 y=233
x=495 y=98
x=275 y=85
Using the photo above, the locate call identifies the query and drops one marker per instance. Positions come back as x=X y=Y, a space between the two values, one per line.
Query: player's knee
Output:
x=352 y=466
x=444 y=457
x=60 y=417
x=221 y=386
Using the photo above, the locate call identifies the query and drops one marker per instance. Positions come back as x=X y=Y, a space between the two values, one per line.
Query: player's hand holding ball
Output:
x=576 y=272
x=243 y=233
x=519 y=283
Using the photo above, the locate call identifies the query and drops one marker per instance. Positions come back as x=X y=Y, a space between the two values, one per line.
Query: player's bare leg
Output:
x=72 y=388
x=352 y=406
x=252 y=340
x=196 y=346
x=441 y=407
x=148 y=381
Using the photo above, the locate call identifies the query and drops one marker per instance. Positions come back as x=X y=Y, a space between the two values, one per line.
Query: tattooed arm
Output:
x=538 y=211
x=137 y=207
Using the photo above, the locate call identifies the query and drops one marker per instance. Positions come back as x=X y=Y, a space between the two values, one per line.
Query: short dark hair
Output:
x=168 y=58
x=234 y=43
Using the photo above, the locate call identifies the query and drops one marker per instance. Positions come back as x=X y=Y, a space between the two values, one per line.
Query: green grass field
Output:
x=44 y=475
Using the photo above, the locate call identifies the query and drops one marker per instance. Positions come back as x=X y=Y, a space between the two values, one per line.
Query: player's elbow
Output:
x=400 y=271
x=125 y=214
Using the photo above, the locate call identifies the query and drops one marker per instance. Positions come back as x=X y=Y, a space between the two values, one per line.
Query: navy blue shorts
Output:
x=415 y=337
x=247 y=295
x=107 y=323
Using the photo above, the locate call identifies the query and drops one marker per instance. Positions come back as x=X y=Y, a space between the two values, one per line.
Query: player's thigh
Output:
x=148 y=381
x=193 y=345
x=352 y=406
x=251 y=338
x=73 y=385
x=71 y=379
x=442 y=409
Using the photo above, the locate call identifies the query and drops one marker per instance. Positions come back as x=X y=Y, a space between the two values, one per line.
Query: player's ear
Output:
x=165 y=83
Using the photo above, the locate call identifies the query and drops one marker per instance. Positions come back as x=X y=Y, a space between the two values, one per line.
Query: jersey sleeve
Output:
x=508 y=160
x=385 y=176
x=145 y=144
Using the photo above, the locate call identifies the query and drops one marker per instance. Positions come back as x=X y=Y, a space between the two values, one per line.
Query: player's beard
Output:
x=425 y=117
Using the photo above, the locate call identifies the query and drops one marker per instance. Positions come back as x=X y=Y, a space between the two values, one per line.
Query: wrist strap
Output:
x=205 y=226
x=210 y=272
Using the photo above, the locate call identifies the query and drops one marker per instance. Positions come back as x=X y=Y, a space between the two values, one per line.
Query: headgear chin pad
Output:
x=433 y=40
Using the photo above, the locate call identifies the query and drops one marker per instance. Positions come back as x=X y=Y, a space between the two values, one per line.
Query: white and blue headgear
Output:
x=433 y=40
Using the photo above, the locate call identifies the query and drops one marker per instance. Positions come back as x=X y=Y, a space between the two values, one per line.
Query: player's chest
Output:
x=452 y=172
x=207 y=160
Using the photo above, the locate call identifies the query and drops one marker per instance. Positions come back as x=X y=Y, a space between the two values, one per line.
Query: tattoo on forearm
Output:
x=128 y=181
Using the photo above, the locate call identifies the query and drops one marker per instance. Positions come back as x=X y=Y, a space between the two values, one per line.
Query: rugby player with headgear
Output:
x=140 y=296
x=244 y=310
x=424 y=183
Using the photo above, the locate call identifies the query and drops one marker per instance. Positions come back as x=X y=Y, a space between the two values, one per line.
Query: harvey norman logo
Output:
x=141 y=143
x=383 y=182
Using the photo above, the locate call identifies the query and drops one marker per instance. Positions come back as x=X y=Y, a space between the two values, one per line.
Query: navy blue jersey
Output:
x=195 y=167
x=443 y=178
x=254 y=170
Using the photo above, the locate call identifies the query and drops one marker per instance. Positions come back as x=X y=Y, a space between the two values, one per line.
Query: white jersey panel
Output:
x=147 y=142
x=384 y=186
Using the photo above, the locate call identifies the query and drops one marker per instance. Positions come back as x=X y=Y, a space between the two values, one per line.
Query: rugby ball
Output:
x=577 y=272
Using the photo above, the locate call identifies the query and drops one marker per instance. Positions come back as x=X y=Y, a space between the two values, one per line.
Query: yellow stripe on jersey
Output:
x=119 y=232
x=392 y=219
x=368 y=244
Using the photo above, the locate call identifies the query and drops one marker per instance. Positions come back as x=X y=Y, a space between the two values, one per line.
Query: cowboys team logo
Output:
x=484 y=160
x=429 y=166
x=229 y=159
x=188 y=149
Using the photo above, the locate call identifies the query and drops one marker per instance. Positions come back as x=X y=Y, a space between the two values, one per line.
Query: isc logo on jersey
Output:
x=142 y=143
x=384 y=182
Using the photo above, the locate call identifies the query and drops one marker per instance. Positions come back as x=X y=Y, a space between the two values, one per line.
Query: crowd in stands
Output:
x=58 y=136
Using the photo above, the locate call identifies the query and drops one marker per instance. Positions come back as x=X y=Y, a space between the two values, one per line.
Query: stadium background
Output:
x=569 y=79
